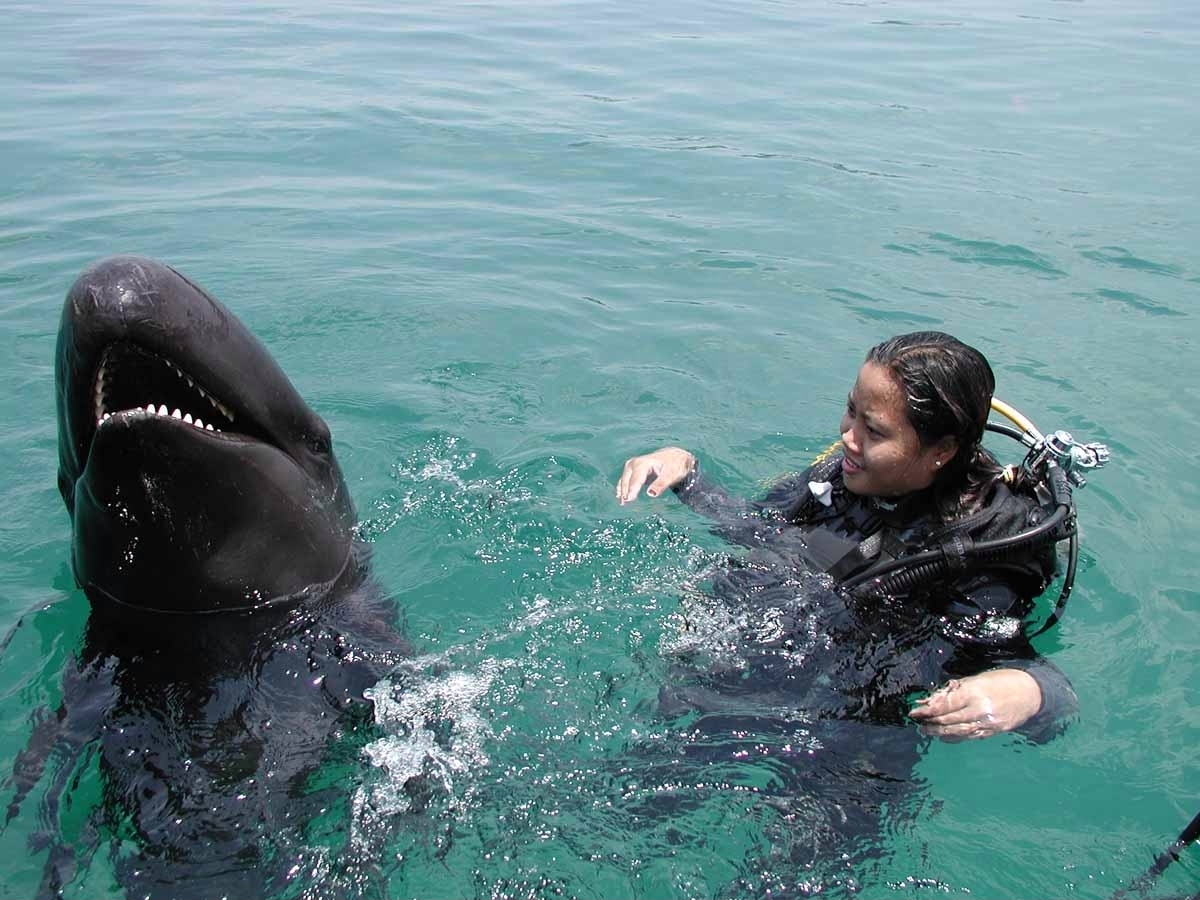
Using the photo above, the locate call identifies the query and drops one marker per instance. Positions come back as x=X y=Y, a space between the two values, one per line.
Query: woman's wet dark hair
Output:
x=948 y=389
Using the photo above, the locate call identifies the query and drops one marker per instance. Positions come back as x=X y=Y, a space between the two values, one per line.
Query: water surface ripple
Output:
x=500 y=247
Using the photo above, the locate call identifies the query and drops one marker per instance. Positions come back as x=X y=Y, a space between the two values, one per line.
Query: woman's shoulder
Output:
x=1004 y=512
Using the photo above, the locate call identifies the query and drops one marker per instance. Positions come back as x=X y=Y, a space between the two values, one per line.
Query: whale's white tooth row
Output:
x=100 y=387
x=162 y=411
x=100 y=398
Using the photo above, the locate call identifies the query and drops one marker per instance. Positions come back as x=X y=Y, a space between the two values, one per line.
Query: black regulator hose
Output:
x=953 y=555
x=1068 y=582
x=1144 y=881
x=1015 y=433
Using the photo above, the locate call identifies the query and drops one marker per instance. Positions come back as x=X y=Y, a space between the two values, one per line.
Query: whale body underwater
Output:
x=234 y=627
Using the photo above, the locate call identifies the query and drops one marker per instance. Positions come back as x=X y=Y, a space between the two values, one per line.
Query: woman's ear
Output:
x=945 y=450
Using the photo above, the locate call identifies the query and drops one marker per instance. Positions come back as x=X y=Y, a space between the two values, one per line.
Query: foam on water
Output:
x=434 y=731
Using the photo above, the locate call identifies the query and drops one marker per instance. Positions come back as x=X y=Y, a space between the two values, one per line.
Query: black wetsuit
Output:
x=979 y=612
x=817 y=687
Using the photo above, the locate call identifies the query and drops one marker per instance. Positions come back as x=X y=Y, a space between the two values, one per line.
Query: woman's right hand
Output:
x=980 y=706
x=667 y=467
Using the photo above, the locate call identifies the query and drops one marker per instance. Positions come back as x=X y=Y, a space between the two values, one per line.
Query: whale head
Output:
x=196 y=477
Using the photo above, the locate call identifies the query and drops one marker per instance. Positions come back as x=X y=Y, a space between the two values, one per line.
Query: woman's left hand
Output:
x=980 y=705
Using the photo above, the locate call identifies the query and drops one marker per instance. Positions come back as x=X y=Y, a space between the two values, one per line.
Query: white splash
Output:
x=435 y=735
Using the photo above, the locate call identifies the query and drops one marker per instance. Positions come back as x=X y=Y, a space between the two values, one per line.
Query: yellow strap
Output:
x=829 y=451
x=1015 y=417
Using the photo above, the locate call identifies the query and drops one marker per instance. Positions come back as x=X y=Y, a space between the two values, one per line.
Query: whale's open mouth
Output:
x=133 y=382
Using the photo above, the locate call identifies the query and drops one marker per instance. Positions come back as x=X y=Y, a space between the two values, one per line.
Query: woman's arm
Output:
x=1011 y=688
x=1032 y=696
x=676 y=469
x=664 y=468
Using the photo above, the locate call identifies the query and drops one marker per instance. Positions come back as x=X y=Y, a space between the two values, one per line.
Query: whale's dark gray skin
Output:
x=233 y=626
x=234 y=501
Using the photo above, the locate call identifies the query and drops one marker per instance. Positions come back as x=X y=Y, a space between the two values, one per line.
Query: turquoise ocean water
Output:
x=501 y=247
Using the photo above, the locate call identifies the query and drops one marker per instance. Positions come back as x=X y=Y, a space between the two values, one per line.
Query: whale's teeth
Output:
x=219 y=407
x=98 y=388
x=101 y=388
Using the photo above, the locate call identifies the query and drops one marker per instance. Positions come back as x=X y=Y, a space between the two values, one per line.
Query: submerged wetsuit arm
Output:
x=740 y=521
x=984 y=619
x=711 y=500
x=1059 y=702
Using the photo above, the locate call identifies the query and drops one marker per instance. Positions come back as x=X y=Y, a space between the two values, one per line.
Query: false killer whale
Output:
x=234 y=627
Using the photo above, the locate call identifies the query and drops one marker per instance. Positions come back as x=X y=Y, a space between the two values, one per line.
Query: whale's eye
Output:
x=319 y=442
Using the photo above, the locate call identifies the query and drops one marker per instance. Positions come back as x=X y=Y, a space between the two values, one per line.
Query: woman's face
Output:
x=883 y=455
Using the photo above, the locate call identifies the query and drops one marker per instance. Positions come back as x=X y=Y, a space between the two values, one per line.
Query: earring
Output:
x=938 y=463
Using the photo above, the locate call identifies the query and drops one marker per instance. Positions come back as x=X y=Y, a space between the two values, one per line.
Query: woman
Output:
x=911 y=473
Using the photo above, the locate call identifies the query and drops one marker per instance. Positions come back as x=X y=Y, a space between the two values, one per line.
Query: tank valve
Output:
x=1073 y=456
